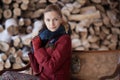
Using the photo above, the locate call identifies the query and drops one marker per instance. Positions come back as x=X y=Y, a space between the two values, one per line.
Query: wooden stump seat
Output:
x=95 y=65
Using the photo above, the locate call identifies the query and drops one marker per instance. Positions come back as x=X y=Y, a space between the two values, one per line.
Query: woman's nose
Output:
x=52 y=23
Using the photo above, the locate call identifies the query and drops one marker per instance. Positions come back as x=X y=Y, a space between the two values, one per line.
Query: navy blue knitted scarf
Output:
x=52 y=37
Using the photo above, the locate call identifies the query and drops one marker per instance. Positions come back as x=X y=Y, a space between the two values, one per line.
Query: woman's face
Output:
x=52 y=20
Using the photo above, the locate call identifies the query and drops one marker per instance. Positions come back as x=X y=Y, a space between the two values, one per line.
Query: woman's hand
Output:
x=36 y=43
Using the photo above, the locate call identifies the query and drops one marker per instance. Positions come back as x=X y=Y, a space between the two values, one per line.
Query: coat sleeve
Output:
x=33 y=62
x=58 y=57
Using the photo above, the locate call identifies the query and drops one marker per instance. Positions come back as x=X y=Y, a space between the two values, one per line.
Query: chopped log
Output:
x=95 y=46
x=7 y=13
x=7 y=64
x=84 y=35
x=102 y=35
x=24 y=56
x=115 y=30
x=76 y=42
x=11 y=26
x=25 y=1
x=52 y=1
x=92 y=38
x=100 y=8
x=72 y=25
x=21 y=22
x=116 y=24
x=112 y=46
x=88 y=9
x=18 y=1
x=103 y=48
x=70 y=7
x=24 y=6
x=18 y=63
x=37 y=13
x=16 y=41
x=91 y=30
x=16 y=66
x=82 y=2
x=12 y=30
x=18 y=60
x=19 y=53
x=86 y=44
x=1 y=63
x=80 y=17
x=4 y=46
x=12 y=50
x=42 y=1
x=26 y=39
x=76 y=11
x=7 y=1
x=106 y=42
x=113 y=5
x=80 y=48
x=3 y=56
x=17 y=11
x=96 y=1
x=85 y=23
x=113 y=18
x=65 y=11
x=80 y=28
x=77 y=5
x=113 y=38
x=105 y=30
x=98 y=22
x=40 y=5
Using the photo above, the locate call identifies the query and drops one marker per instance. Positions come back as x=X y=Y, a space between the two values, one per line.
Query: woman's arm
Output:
x=33 y=62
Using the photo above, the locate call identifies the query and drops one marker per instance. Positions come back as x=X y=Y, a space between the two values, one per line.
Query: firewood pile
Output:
x=95 y=25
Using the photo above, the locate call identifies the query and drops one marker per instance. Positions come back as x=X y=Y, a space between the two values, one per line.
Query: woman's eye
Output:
x=56 y=19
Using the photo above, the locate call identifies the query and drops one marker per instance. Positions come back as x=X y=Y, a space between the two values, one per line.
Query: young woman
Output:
x=51 y=55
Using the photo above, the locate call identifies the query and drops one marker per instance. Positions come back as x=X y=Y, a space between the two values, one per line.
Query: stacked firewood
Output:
x=95 y=25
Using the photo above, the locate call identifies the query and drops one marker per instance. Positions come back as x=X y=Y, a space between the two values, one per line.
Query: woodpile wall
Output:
x=95 y=25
